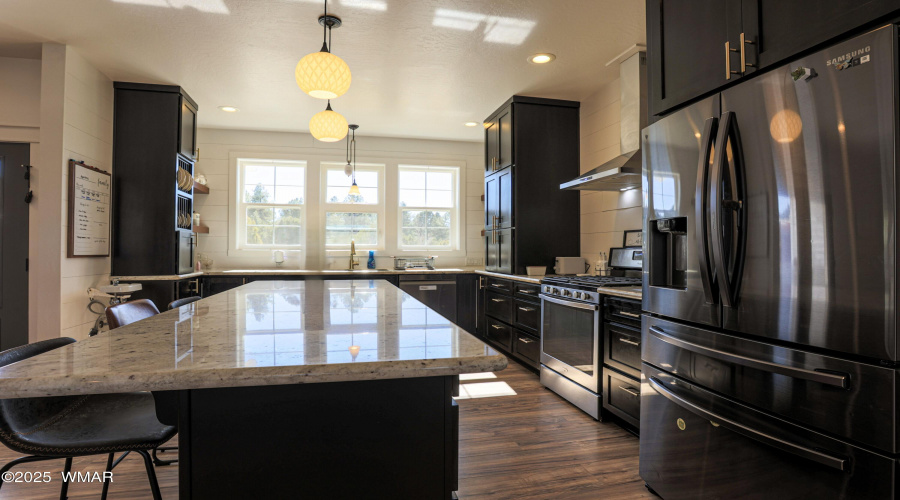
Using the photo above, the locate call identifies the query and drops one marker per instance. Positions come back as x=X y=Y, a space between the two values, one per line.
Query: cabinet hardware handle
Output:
x=631 y=315
x=496 y=327
x=498 y=286
x=626 y=340
x=528 y=292
x=728 y=51
x=526 y=309
x=629 y=390
x=525 y=341
x=497 y=300
x=744 y=62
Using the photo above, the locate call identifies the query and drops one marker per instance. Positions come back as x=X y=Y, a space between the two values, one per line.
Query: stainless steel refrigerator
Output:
x=769 y=338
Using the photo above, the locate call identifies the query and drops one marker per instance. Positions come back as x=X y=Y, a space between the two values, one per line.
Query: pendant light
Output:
x=351 y=157
x=322 y=74
x=328 y=125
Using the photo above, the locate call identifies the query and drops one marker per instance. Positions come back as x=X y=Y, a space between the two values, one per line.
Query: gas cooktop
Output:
x=591 y=282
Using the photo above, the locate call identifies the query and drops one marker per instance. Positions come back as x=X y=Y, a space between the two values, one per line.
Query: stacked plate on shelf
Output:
x=185 y=180
x=184 y=220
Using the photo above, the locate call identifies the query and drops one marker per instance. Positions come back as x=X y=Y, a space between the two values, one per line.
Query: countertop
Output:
x=292 y=272
x=515 y=277
x=628 y=292
x=261 y=333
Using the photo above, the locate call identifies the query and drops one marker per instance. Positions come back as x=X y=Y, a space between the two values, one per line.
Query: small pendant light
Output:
x=322 y=74
x=351 y=157
x=328 y=125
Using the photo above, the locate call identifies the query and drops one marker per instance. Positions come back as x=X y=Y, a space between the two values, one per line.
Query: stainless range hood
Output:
x=624 y=171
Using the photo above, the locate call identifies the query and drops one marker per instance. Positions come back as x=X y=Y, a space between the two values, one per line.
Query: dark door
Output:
x=686 y=48
x=13 y=246
x=504 y=121
x=491 y=145
x=505 y=199
x=678 y=280
x=491 y=201
x=808 y=242
x=187 y=139
x=491 y=256
x=505 y=250
x=779 y=29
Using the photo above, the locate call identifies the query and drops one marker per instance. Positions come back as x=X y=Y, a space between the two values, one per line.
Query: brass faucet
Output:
x=352 y=264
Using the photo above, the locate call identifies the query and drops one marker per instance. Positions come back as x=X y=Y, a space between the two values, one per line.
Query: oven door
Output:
x=570 y=340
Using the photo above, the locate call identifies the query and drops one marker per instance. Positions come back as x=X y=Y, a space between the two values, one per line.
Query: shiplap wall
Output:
x=605 y=215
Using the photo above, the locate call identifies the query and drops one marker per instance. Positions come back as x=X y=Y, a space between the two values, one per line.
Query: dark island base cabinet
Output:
x=365 y=439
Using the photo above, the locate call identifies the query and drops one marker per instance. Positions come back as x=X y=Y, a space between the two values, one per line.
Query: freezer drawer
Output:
x=852 y=400
x=698 y=445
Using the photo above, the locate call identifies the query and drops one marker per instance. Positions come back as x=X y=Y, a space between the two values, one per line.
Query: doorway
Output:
x=13 y=245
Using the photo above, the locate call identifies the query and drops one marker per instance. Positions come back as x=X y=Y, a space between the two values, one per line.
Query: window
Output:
x=271 y=200
x=353 y=218
x=428 y=207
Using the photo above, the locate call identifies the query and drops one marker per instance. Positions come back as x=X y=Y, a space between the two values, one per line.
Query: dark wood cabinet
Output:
x=686 y=41
x=511 y=315
x=151 y=215
x=532 y=146
x=467 y=302
x=163 y=292
x=187 y=126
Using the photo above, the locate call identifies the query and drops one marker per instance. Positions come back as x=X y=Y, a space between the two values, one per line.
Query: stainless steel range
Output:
x=571 y=317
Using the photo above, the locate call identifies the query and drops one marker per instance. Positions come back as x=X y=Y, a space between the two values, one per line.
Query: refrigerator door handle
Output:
x=767 y=439
x=840 y=380
x=728 y=284
x=707 y=278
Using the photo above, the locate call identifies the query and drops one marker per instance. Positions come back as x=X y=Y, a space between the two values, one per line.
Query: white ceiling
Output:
x=421 y=68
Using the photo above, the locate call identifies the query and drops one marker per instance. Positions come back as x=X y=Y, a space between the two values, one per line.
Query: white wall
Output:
x=218 y=149
x=605 y=215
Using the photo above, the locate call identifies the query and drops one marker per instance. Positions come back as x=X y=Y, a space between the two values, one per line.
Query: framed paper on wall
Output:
x=634 y=238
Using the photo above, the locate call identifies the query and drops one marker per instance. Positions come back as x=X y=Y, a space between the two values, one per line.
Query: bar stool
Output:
x=175 y=304
x=63 y=427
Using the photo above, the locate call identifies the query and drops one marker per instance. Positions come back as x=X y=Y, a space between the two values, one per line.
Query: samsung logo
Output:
x=849 y=55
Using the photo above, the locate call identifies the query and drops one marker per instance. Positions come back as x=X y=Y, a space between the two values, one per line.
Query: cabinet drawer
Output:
x=498 y=285
x=527 y=347
x=623 y=348
x=622 y=396
x=527 y=291
x=528 y=316
x=499 y=306
x=500 y=333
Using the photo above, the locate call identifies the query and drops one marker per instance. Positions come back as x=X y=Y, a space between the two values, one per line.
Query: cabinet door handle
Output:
x=526 y=309
x=525 y=341
x=744 y=62
x=498 y=286
x=527 y=292
x=497 y=300
x=630 y=390
x=496 y=327
x=728 y=51
x=626 y=340
x=630 y=315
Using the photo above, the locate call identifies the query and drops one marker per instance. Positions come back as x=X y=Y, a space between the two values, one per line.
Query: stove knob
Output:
x=567 y=293
x=547 y=289
x=577 y=295
x=587 y=296
x=556 y=291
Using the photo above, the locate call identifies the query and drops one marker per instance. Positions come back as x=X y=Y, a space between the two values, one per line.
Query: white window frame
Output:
x=455 y=211
x=377 y=208
x=241 y=206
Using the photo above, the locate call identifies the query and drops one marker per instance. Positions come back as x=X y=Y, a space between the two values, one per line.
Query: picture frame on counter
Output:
x=633 y=238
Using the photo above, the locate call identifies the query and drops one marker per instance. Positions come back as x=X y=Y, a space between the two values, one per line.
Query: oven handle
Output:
x=767 y=439
x=567 y=303
x=833 y=379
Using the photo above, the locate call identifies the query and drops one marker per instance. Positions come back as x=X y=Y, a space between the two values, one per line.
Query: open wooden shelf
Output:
x=200 y=188
x=201 y=229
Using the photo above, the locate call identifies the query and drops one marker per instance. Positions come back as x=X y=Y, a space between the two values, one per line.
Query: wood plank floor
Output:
x=533 y=445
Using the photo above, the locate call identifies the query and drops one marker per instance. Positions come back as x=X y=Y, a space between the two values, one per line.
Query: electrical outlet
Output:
x=473 y=261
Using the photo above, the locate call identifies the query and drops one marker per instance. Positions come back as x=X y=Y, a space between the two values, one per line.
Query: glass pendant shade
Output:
x=354 y=189
x=328 y=126
x=323 y=75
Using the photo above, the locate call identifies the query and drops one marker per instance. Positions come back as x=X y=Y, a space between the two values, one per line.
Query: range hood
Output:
x=624 y=171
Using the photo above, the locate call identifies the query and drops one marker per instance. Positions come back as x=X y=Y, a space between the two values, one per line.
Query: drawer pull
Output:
x=496 y=327
x=525 y=341
x=630 y=390
x=526 y=309
x=630 y=315
x=495 y=285
x=497 y=300
x=626 y=340
x=528 y=292
x=426 y=288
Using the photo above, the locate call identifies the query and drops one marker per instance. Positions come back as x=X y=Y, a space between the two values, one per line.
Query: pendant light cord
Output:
x=325 y=38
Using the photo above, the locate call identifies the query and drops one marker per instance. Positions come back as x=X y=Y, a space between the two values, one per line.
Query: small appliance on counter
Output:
x=403 y=263
x=569 y=265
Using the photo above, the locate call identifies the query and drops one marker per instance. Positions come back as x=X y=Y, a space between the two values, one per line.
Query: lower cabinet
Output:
x=622 y=396
x=527 y=348
x=511 y=317
x=499 y=333
x=214 y=284
x=161 y=292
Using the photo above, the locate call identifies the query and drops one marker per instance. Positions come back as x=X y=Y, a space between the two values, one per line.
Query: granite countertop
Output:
x=628 y=292
x=261 y=333
x=515 y=277
x=290 y=272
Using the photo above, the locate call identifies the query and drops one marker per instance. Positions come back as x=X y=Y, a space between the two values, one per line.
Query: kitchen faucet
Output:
x=352 y=264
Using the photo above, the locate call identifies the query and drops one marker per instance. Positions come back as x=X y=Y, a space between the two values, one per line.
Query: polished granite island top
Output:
x=262 y=333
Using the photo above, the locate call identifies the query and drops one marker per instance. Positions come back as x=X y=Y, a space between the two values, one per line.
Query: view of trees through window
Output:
x=423 y=191
x=273 y=199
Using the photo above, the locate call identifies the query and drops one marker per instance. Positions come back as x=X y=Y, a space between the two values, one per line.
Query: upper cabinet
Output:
x=498 y=140
x=695 y=48
x=187 y=126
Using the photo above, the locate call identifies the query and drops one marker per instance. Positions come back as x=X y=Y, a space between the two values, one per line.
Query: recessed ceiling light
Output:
x=471 y=124
x=228 y=109
x=541 y=58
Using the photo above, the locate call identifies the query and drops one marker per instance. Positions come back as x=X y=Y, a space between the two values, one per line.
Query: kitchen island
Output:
x=318 y=389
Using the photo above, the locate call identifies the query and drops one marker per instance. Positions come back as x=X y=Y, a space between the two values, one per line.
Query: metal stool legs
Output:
x=151 y=474
x=162 y=449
